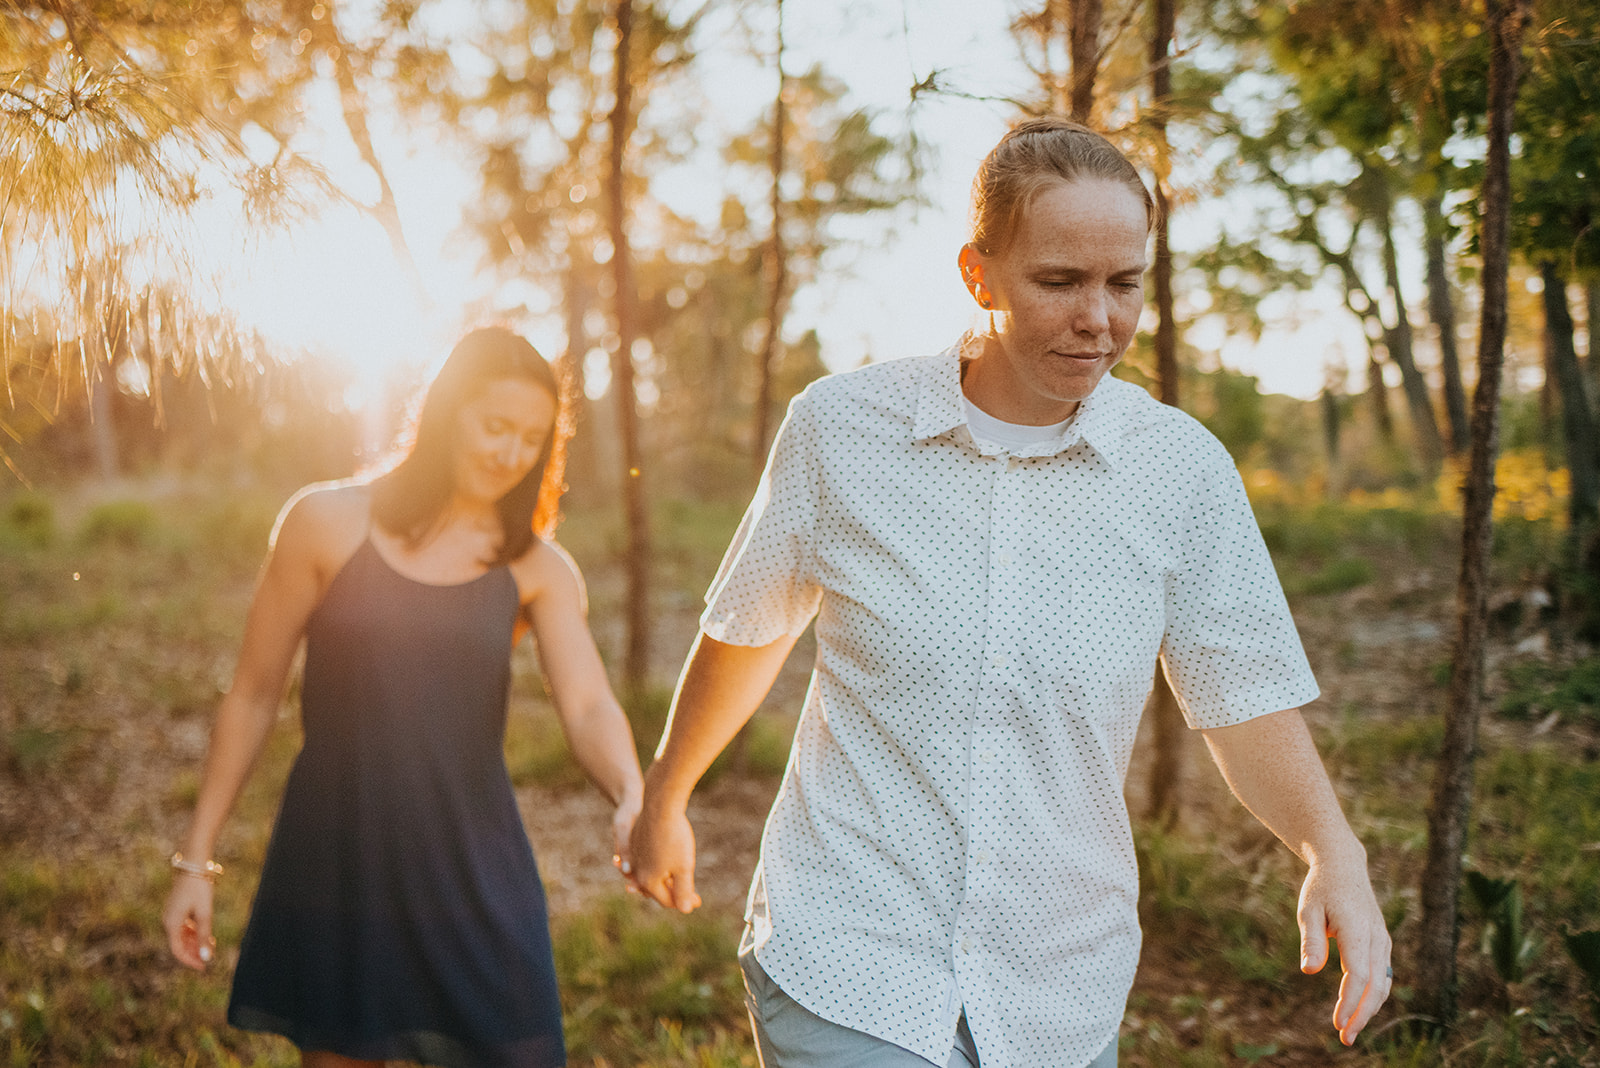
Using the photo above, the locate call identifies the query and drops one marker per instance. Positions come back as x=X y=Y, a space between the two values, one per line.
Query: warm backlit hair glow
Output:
x=1032 y=155
x=409 y=498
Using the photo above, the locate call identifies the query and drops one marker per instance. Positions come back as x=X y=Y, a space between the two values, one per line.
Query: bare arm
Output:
x=291 y=585
x=1271 y=764
x=720 y=689
x=594 y=723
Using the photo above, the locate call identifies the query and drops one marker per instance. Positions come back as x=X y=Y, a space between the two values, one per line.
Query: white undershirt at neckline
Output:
x=1011 y=435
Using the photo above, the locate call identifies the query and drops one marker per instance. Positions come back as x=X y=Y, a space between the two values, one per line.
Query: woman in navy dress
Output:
x=400 y=914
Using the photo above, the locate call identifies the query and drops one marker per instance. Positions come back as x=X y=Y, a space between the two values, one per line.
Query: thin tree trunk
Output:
x=1398 y=339
x=1083 y=34
x=1442 y=311
x=1591 y=302
x=353 y=106
x=102 y=422
x=1166 y=339
x=1166 y=720
x=636 y=658
x=1547 y=391
x=1378 y=395
x=1577 y=418
x=777 y=272
x=1450 y=806
x=574 y=303
x=1328 y=402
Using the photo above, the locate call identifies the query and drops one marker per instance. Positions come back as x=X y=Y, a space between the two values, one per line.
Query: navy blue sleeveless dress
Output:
x=400 y=914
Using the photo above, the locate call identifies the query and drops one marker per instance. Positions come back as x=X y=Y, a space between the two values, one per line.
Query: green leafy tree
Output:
x=1557 y=190
x=1363 y=99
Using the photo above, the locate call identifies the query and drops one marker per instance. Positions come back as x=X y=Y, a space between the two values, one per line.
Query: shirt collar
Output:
x=1098 y=424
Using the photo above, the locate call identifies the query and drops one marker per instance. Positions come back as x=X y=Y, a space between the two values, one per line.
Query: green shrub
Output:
x=129 y=524
x=1537 y=689
x=1499 y=902
x=1337 y=576
x=29 y=521
x=32 y=750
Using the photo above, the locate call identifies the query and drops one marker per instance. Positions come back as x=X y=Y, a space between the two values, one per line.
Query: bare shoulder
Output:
x=324 y=522
x=548 y=570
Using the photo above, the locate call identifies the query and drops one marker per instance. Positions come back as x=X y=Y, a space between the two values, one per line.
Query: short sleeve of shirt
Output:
x=1231 y=649
x=765 y=588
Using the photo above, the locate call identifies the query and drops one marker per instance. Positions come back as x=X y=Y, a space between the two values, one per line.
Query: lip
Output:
x=499 y=475
x=1081 y=357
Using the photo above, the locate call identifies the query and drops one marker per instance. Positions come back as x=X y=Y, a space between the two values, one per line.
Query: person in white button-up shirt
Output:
x=996 y=543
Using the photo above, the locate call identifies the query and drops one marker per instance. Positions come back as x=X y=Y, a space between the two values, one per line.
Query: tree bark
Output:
x=1166 y=339
x=1450 y=805
x=1378 y=396
x=1083 y=36
x=1591 y=298
x=1328 y=402
x=1398 y=339
x=1577 y=418
x=777 y=273
x=102 y=427
x=1166 y=721
x=636 y=658
x=1442 y=311
x=574 y=304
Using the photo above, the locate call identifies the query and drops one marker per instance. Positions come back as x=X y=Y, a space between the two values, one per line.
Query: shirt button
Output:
x=983 y=857
x=987 y=757
x=1005 y=559
x=966 y=945
x=1000 y=661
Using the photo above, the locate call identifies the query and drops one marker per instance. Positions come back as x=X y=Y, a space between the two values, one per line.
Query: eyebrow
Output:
x=1067 y=271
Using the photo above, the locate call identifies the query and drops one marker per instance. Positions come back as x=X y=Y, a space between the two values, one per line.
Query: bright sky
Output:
x=333 y=286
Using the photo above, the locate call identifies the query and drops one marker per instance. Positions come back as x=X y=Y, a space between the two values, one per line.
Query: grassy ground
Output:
x=120 y=609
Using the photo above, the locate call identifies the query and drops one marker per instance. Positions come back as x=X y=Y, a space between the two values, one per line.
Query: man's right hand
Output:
x=663 y=856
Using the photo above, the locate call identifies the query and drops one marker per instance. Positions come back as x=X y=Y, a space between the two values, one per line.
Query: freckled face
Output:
x=499 y=435
x=1066 y=298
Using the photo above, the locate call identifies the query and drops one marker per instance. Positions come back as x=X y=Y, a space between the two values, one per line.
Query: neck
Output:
x=985 y=383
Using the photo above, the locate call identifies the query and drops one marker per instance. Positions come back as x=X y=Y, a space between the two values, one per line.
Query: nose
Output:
x=521 y=456
x=1093 y=318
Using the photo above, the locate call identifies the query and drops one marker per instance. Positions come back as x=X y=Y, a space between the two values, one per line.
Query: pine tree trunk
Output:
x=1328 y=401
x=1166 y=721
x=1378 y=396
x=636 y=658
x=102 y=427
x=1450 y=805
x=1442 y=310
x=581 y=453
x=1083 y=33
x=1398 y=339
x=1577 y=418
x=777 y=274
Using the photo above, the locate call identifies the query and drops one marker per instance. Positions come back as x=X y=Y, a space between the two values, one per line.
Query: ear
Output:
x=972 y=267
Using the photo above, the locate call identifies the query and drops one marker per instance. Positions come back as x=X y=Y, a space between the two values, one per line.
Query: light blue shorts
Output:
x=788 y=1035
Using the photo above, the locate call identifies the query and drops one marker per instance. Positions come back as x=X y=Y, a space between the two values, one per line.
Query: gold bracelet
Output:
x=207 y=871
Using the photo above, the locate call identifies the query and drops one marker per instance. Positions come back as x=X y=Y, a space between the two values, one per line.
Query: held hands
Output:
x=663 y=858
x=1336 y=901
x=187 y=919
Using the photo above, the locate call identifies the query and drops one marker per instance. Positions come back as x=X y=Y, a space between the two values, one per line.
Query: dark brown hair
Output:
x=410 y=497
x=1033 y=154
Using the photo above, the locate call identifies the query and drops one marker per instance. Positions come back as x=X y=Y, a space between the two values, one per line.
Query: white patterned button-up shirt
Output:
x=950 y=833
